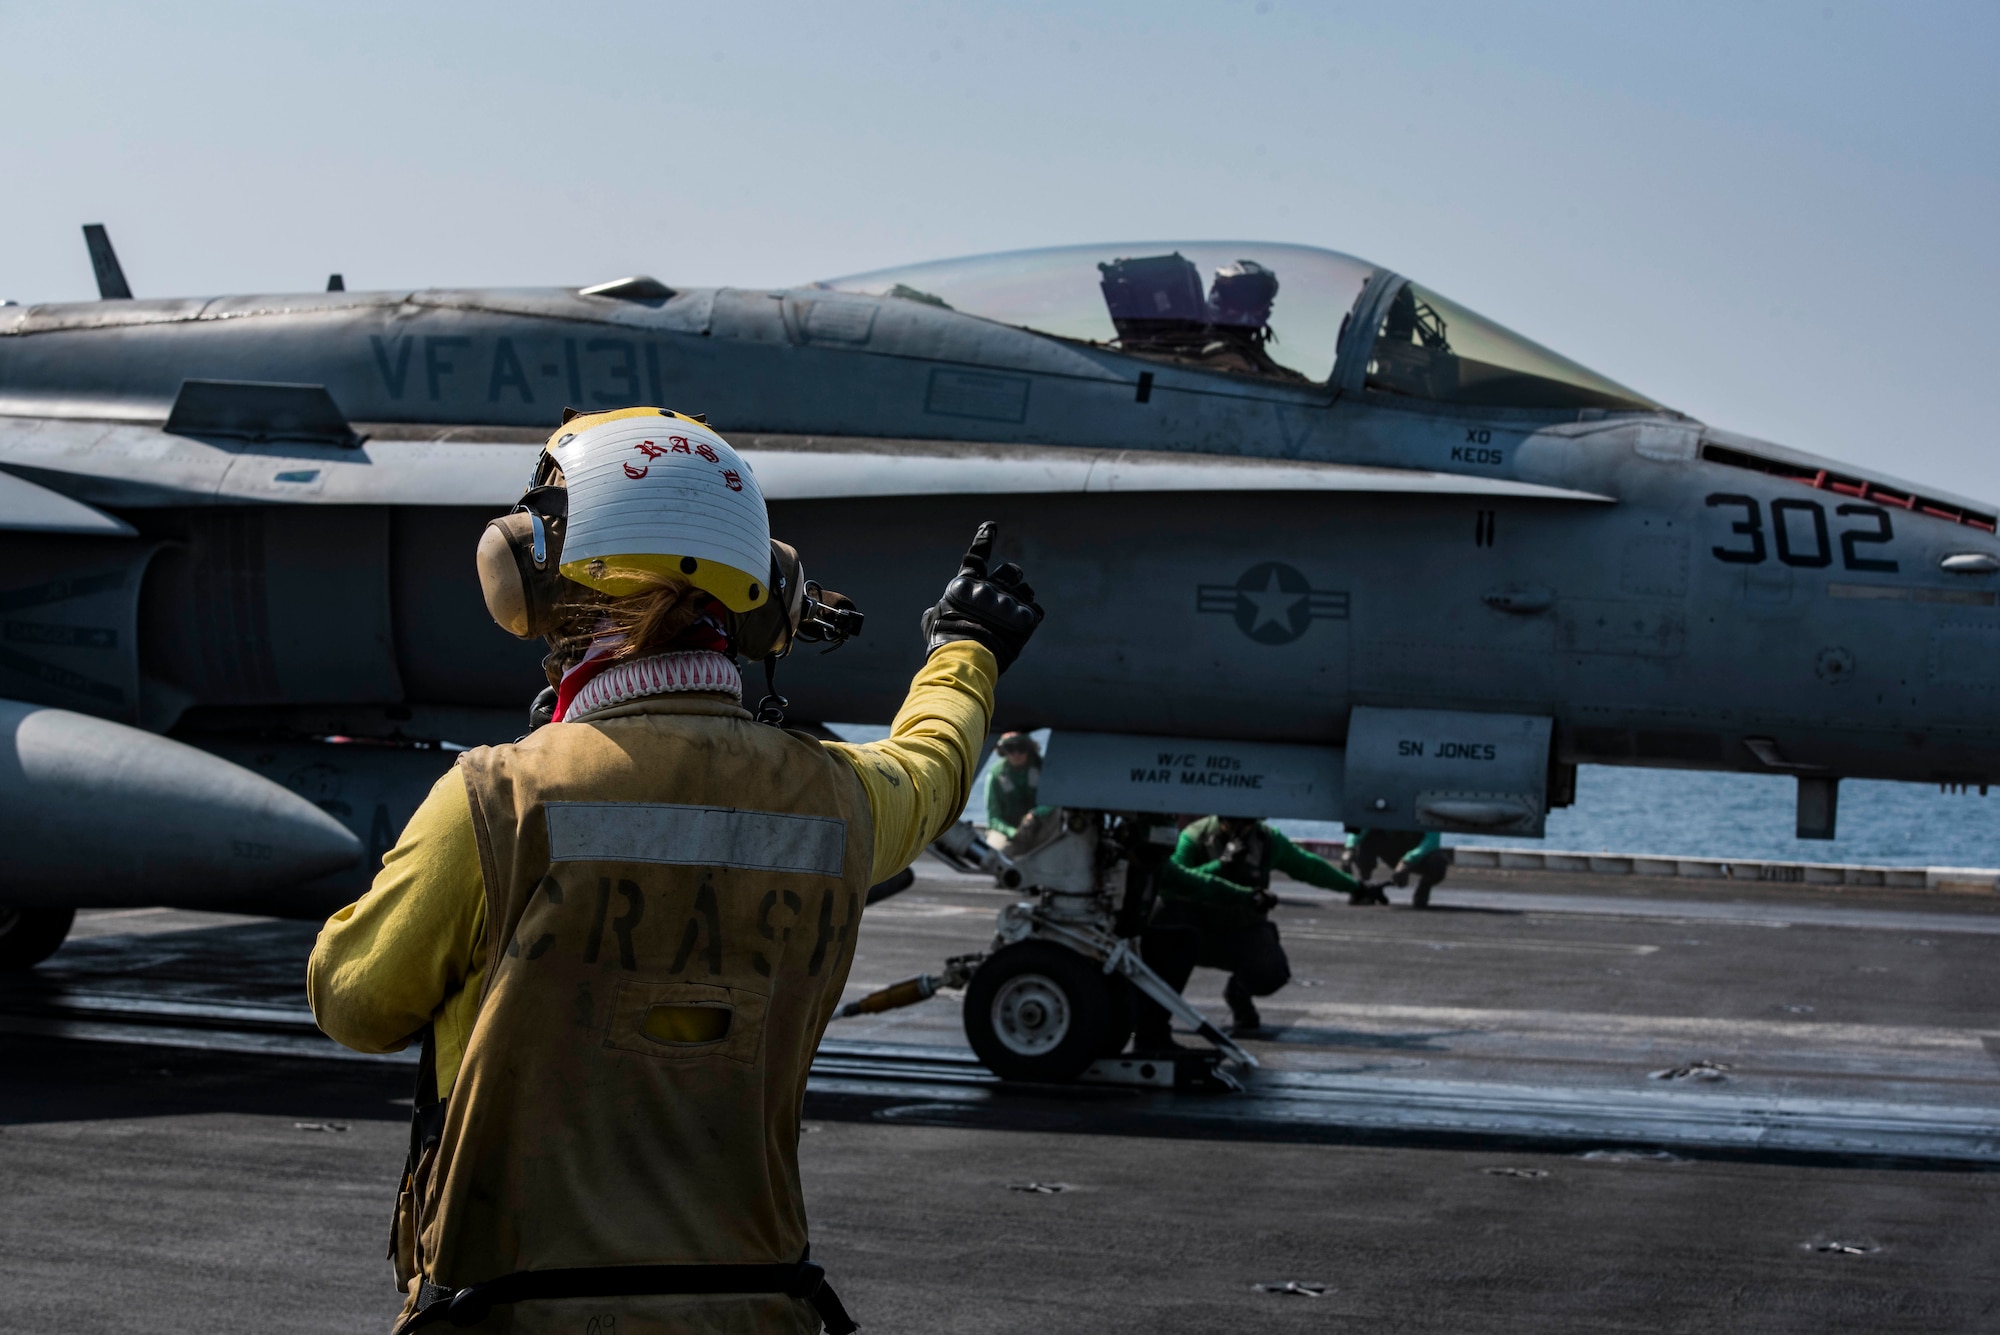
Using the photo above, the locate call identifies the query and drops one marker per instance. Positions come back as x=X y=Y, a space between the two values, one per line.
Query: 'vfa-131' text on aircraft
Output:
x=1314 y=540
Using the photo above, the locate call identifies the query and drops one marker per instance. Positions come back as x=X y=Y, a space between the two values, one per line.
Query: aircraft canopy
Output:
x=1271 y=311
x=1428 y=347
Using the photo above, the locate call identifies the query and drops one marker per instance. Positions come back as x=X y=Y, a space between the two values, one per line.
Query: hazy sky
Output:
x=1777 y=217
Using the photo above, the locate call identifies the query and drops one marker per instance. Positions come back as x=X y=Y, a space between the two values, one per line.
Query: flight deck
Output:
x=1548 y=1103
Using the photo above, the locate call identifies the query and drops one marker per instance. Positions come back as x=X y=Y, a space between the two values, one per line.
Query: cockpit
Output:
x=1272 y=312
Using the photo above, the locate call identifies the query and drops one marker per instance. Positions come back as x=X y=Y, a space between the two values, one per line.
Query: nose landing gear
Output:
x=1039 y=1011
x=1054 y=999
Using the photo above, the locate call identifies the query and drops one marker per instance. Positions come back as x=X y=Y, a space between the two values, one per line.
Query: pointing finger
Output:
x=981 y=548
x=982 y=541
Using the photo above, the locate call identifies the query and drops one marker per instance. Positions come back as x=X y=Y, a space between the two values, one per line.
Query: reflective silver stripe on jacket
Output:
x=688 y=836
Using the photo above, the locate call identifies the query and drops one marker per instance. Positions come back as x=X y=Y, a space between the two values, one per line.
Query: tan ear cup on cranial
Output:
x=768 y=628
x=526 y=597
x=504 y=571
x=520 y=563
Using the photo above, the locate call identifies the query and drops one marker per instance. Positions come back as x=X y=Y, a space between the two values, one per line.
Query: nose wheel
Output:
x=1037 y=1011
x=1030 y=1014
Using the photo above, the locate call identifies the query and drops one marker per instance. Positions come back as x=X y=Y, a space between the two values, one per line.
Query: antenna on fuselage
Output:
x=111 y=284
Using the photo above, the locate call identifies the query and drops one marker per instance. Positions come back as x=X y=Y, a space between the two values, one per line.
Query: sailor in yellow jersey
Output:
x=620 y=938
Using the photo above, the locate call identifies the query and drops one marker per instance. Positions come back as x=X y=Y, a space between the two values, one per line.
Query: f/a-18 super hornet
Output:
x=1315 y=541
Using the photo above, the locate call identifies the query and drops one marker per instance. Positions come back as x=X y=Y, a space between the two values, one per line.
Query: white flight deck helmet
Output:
x=653 y=492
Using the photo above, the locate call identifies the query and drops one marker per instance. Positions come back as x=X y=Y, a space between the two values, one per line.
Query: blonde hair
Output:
x=645 y=622
x=651 y=619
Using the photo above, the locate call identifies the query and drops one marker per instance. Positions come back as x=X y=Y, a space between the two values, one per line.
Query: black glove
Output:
x=543 y=710
x=997 y=610
x=1265 y=900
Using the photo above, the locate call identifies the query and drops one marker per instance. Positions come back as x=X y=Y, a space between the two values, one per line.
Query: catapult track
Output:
x=937 y=1085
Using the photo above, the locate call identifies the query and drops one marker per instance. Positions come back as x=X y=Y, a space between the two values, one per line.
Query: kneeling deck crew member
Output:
x=620 y=938
x=1407 y=853
x=1214 y=905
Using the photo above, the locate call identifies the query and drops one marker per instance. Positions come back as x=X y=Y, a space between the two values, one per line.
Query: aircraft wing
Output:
x=120 y=464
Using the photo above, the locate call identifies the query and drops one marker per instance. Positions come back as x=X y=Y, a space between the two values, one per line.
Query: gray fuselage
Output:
x=1679 y=596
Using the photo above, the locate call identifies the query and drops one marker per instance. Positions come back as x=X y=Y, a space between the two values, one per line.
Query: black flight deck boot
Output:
x=1244 y=1020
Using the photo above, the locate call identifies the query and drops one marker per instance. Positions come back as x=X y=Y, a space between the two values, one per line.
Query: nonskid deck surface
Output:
x=213 y=1180
x=1752 y=1022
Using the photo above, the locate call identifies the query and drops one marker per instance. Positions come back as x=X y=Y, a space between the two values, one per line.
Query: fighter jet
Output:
x=1277 y=497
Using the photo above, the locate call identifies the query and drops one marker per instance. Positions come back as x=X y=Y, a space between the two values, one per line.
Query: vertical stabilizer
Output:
x=111 y=284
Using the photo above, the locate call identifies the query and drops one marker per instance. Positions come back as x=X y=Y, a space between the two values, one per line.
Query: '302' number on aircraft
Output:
x=1799 y=532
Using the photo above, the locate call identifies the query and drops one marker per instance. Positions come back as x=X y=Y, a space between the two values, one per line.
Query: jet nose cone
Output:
x=98 y=814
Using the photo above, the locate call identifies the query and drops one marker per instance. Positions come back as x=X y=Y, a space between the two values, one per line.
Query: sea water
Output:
x=1689 y=814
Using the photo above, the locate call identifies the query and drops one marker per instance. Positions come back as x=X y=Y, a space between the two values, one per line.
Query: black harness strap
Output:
x=470 y=1305
x=426 y=1108
x=426 y=1119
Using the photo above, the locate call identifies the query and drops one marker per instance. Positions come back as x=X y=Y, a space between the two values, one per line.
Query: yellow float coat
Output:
x=628 y=933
